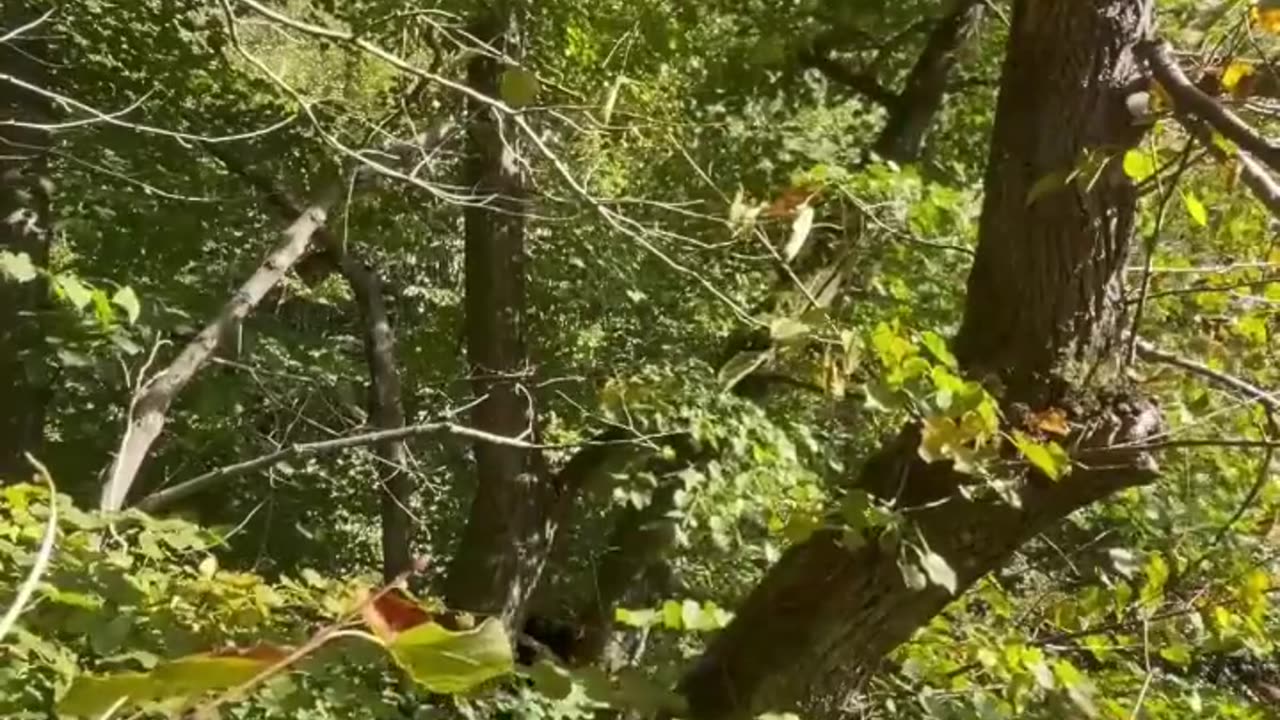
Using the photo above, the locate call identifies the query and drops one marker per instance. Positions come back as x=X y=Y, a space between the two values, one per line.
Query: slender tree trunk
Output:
x=385 y=400
x=386 y=412
x=824 y=617
x=25 y=216
x=504 y=545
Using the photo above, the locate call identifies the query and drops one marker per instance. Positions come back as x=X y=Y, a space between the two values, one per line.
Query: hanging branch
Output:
x=150 y=405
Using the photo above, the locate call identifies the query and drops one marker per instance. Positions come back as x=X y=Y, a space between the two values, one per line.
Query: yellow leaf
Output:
x=1234 y=76
x=1265 y=15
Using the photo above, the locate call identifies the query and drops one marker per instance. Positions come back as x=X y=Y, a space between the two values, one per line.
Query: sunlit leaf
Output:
x=1139 y=165
x=127 y=300
x=17 y=267
x=1048 y=457
x=447 y=661
x=939 y=571
x=1195 y=208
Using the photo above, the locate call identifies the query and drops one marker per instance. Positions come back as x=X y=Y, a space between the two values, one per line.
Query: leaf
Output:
x=800 y=228
x=1050 y=183
x=1195 y=209
x=127 y=300
x=934 y=343
x=1265 y=15
x=446 y=661
x=18 y=267
x=1234 y=77
x=672 y=615
x=882 y=397
x=742 y=365
x=550 y=679
x=635 y=618
x=939 y=571
x=785 y=329
x=1139 y=165
x=74 y=291
x=1051 y=420
x=912 y=576
x=518 y=87
x=188 y=677
x=393 y=613
x=1049 y=458
x=611 y=101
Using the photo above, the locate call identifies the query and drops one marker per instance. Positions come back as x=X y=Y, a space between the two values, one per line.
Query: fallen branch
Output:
x=150 y=405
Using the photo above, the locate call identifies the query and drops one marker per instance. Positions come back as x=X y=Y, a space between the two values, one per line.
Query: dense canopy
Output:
x=639 y=359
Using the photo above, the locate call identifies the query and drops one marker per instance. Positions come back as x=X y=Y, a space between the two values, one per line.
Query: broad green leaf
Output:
x=934 y=343
x=1048 y=457
x=672 y=615
x=939 y=571
x=17 y=267
x=127 y=300
x=882 y=397
x=74 y=291
x=188 y=677
x=1139 y=165
x=447 y=661
x=1195 y=208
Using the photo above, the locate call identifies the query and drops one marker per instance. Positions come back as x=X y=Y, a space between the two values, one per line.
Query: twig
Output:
x=42 y=555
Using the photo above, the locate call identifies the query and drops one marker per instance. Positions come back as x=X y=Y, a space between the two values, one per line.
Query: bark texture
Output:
x=823 y=618
x=504 y=545
x=25 y=216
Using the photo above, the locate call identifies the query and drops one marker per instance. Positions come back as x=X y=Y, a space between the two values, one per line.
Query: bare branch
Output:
x=1247 y=390
x=150 y=404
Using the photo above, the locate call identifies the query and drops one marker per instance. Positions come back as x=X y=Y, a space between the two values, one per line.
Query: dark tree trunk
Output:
x=915 y=108
x=386 y=412
x=25 y=215
x=504 y=545
x=823 y=618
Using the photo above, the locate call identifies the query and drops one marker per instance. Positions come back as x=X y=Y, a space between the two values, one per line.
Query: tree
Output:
x=703 y=428
x=25 y=238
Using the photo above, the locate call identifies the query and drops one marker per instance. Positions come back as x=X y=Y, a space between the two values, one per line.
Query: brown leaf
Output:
x=392 y=613
x=1050 y=420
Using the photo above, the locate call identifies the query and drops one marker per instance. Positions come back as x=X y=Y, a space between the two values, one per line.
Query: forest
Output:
x=639 y=359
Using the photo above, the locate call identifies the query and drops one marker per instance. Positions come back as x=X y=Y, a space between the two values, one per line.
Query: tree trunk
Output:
x=504 y=545
x=25 y=215
x=823 y=618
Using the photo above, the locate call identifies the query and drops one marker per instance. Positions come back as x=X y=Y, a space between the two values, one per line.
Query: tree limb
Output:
x=150 y=405
x=1189 y=99
x=1271 y=401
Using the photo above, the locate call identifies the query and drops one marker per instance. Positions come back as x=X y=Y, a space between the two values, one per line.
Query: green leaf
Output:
x=1052 y=182
x=934 y=343
x=188 y=677
x=550 y=679
x=635 y=618
x=74 y=291
x=939 y=571
x=1139 y=165
x=742 y=365
x=1195 y=209
x=518 y=87
x=447 y=661
x=786 y=329
x=18 y=267
x=1048 y=457
x=672 y=615
x=882 y=397
x=127 y=300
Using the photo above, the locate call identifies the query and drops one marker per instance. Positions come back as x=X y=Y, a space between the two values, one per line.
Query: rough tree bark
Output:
x=25 y=199
x=1041 y=297
x=504 y=545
